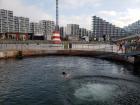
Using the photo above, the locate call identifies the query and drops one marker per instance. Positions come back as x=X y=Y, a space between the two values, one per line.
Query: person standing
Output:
x=120 y=47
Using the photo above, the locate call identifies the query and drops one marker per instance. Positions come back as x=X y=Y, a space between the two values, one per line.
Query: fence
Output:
x=64 y=46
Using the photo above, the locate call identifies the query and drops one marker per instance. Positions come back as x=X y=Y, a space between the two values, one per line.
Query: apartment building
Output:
x=85 y=32
x=21 y=24
x=6 y=21
x=72 y=30
x=103 y=28
x=133 y=28
x=36 y=29
x=47 y=28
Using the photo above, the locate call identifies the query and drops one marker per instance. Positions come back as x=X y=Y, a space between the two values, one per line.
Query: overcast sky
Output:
x=118 y=12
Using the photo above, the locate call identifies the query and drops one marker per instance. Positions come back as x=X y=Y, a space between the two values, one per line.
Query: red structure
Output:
x=56 y=37
x=17 y=35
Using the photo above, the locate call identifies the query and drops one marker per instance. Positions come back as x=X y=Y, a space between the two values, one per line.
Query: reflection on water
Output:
x=38 y=81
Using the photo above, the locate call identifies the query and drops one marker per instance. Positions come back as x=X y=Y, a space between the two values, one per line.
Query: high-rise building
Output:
x=35 y=29
x=6 y=21
x=83 y=32
x=102 y=28
x=21 y=24
x=47 y=28
x=72 y=30
x=133 y=28
x=90 y=34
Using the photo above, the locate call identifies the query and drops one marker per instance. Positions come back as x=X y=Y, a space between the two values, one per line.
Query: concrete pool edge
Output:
x=96 y=54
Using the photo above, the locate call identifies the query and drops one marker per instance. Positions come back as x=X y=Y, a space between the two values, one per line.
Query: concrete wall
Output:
x=97 y=54
x=8 y=54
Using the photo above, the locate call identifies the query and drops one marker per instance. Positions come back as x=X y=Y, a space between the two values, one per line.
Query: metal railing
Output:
x=47 y=45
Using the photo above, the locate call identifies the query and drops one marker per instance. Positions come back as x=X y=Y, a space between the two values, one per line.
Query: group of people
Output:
x=126 y=45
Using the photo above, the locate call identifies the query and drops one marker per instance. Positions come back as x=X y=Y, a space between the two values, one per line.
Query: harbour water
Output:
x=39 y=81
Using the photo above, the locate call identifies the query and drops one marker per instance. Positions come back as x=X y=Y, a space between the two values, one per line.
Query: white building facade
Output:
x=6 y=21
x=72 y=30
x=47 y=28
x=21 y=24
x=35 y=28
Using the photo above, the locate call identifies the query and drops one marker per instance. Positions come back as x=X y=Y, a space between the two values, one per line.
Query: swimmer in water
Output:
x=65 y=75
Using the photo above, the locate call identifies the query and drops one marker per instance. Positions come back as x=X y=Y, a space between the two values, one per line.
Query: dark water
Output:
x=38 y=81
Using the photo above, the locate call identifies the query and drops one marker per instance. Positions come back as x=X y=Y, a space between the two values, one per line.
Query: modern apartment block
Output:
x=21 y=24
x=72 y=30
x=13 y=24
x=35 y=29
x=85 y=32
x=102 y=28
x=133 y=28
x=47 y=28
x=6 y=21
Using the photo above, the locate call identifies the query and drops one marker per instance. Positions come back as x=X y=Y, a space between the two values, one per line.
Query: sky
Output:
x=118 y=12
